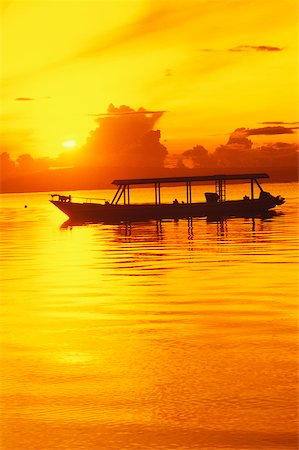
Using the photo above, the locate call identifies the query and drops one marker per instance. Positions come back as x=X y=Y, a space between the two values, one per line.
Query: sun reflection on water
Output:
x=152 y=336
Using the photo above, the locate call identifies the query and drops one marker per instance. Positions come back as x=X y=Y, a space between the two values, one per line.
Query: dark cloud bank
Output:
x=126 y=144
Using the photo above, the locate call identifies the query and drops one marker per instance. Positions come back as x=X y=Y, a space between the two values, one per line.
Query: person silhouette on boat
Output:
x=62 y=198
x=175 y=201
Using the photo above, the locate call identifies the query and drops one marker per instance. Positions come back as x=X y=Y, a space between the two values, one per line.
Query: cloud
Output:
x=8 y=166
x=5 y=4
x=279 y=123
x=198 y=156
x=18 y=141
x=270 y=130
x=24 y=99
x=239 y=152
x=24 y=164
x=125 y=138
x=239 y=138
x=245 y=48
x=241 y=134
x=158 y=18
x=119 y=112
x=208 y=50
x=258 y=48
x=30 y=99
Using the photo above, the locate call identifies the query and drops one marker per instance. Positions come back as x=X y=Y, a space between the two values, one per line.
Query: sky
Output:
x=211 y=66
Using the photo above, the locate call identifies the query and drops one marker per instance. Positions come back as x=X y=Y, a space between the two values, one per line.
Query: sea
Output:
x=161 y=335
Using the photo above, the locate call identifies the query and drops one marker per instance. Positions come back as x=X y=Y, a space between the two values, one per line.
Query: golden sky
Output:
x=213 y=65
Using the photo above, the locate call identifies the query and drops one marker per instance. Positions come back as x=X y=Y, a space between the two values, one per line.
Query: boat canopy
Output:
x=248 y=176
x=220 y=185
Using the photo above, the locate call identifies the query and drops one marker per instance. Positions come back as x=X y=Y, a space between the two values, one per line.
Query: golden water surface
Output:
x=168 y=335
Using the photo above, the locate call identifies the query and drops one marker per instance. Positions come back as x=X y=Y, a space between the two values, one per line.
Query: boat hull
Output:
x=94 y=212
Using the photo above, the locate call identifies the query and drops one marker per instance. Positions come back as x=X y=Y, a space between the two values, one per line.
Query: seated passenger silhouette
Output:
x=64 y=198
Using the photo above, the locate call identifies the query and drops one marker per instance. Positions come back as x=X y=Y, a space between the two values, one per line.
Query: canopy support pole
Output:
x=220 y=185
x=188 y=191
x=261 y=189
x=157 y=194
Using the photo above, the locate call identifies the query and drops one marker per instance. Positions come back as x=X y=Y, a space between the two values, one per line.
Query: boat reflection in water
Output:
x=121 y=209
x=154 y=228
x=151 y=335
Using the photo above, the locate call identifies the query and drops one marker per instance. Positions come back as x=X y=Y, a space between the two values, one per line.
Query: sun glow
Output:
x=186 y=58
x=71 y=143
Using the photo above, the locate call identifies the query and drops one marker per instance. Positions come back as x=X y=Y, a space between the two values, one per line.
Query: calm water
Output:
x=151 y=336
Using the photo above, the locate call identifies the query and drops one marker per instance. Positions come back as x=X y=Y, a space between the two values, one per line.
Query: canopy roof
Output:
x=247 y=176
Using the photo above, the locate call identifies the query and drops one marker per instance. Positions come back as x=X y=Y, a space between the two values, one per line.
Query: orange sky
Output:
x=214 y=65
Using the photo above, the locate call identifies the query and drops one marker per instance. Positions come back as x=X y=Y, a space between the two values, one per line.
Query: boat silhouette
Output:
x=216 y=205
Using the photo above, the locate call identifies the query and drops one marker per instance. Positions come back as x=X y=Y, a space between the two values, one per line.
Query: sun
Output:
x=70 y=143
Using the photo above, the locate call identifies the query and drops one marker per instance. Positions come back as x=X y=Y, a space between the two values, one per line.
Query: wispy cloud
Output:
x=279 y=123
x=5 y=4
x=208 y=50
x=30 y=99
x=158 y=18
x=245 y=48
x=125 y=113
x=270 y=130
x=243 y=133
x=24 y=99
x=258 y=48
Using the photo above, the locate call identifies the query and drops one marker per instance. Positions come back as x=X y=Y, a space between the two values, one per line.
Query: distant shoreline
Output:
x=92 y=178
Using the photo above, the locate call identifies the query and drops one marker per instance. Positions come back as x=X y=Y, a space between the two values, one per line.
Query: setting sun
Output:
x=149 y=189
x=147 y=85
x=212 y=68
x=71 y=143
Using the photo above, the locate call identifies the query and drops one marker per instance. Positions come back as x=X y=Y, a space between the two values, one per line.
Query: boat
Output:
x=215 y=204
